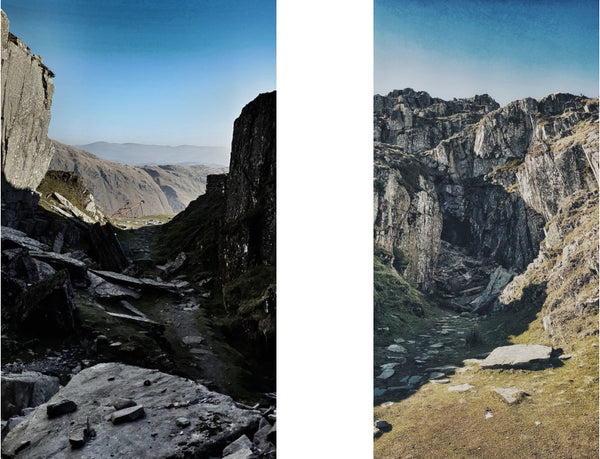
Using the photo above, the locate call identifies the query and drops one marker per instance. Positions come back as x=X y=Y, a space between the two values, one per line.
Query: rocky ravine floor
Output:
x=134 y=317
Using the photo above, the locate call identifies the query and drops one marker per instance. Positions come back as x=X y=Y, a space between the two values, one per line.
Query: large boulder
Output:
x=214 y=419
x=517 y=356
x=27 y=389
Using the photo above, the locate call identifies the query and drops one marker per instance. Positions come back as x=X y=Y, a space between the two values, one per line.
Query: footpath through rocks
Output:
x=434 y=353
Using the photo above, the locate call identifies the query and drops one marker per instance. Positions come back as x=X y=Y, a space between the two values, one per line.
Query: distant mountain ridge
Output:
x=137 y=154
x=165 y=189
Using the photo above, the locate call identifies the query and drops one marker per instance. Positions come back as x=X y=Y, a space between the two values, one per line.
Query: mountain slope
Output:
x=164 y=189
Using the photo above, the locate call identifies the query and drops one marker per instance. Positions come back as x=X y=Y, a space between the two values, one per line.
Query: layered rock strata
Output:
x=27 y=91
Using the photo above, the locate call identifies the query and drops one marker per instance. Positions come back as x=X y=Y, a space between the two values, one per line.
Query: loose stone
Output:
x=127 y=415
x=59 y=408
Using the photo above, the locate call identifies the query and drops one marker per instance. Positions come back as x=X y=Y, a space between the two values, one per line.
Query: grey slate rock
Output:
x=168 y=398
x=510 y=396
x=27 y=389
x=56 y=409
x=517 y=356
x=241 y=443
x=122 y=403
x=130 y=414
x=183 y=422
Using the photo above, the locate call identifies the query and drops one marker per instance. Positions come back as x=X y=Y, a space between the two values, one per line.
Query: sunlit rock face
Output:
x=478 y=179
x=26 y=99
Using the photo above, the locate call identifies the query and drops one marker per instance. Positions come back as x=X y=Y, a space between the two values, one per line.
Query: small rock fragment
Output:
x=147 y=382
x=127 y=415
x=511 y=396
x=77 y=438
x=59 y=408
x=436 y=375
x=386 y=404
x=182 y=422
x=122 y=403
x=488 y=414
x=383 y=426
x=440 y=381
x=241 y=443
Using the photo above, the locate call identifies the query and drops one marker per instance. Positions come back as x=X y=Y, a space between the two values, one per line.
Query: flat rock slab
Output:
x=59 y=408
x=386 y=373
x=191 y=340
x=141 y=282
x=460 y=388
x=510 y=396
x=133 y=413
x=517 y=356
x=396 y=348
x=14 y=238
x=216 y=421
x=439 y=381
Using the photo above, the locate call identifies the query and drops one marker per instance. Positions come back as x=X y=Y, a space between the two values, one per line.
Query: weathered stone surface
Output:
x=510 y=396
x=192 y=340
x=27 y=91
x=517 y=356
x=215 y=419
x=27 y=389
x=396 y=348
x=77 y=268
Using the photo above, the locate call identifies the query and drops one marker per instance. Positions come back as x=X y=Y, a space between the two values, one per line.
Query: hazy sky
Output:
x=149 y=71
x=506 y=48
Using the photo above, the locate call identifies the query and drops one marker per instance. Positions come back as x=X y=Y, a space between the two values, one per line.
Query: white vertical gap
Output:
x=324 y=228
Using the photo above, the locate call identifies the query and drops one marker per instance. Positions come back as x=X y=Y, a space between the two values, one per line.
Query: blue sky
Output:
x=506 y=48
x=148 y=71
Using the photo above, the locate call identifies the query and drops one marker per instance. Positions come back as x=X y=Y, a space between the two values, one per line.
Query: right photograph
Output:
x=485 y=225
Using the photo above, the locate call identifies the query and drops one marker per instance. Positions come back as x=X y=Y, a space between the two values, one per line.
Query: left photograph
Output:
x=138 y=229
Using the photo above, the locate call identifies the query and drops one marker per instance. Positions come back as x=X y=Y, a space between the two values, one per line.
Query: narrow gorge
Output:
x=135 y=338
x=486 y=235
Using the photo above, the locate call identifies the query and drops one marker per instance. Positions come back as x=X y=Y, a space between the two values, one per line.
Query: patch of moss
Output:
x=399 y=306
x=194 y=231
x=68 y=184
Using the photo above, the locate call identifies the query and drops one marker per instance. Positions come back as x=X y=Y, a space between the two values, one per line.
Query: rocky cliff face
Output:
x=26 y=98
x=465 y=182
x=164 y=189
x=250 y=203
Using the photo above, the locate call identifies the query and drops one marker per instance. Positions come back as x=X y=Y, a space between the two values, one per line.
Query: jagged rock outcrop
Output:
x=407 y=217
x=27 y=91
x=493 y=179
x=563 y=280
x=164 y=189
x=180 y=418
x=417 y=122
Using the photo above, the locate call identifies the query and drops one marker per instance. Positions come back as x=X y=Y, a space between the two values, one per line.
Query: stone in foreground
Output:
x=133 y=413
x=460 y=388
x=59 y=408
x=517 y=356
x=215 y=419
x=510 y=396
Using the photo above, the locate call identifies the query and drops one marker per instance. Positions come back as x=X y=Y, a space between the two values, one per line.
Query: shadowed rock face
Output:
x=26 y=98
x=250 y=207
